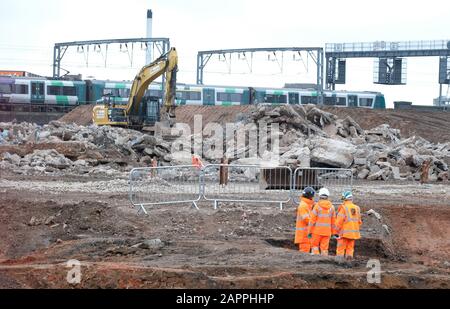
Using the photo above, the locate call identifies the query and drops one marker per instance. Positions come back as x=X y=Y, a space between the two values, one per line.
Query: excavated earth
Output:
x=432 y=125
x=46 y=221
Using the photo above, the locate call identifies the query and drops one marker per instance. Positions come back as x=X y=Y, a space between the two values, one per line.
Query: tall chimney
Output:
x=148 y=55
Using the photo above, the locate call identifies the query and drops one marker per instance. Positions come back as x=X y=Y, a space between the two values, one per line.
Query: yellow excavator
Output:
x=131 y=115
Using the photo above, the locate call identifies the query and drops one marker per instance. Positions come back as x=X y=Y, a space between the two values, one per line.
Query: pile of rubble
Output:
x=59 y=148
x=308 y=137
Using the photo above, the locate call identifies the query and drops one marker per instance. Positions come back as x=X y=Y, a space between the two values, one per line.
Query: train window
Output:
x=195 y=95
x=156 y=93
x=294 y=98
x=235 y=97
x=275 y=98
x=309 y=100
x=341 y=101
x=21 y=89
x=69 y=91
x=365 y=102
x=53 y=90
x=222 y=97
x=5 y=88
x=229 y=97
x=124 y=92
x=335 y=101
x=329 y=100
x=37 y=89
x=352 y=100
x=189 y=95
x=112 y=92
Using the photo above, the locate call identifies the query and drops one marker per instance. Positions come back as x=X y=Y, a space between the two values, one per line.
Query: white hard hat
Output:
x=324 y=192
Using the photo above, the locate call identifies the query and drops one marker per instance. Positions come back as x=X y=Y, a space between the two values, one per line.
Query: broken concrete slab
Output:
x=332 y=152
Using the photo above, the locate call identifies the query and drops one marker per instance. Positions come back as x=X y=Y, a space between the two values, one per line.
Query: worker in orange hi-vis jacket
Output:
x=197 y=162
x=303 y=215
x=322 y=224
x=348 y=223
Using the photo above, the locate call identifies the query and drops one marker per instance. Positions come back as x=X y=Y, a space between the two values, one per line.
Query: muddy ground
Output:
x=44 y=224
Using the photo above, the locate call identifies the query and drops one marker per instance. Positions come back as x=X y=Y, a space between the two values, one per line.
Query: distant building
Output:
x=13 y=73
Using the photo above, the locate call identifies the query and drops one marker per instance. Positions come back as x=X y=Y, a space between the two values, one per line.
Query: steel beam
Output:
x=60 y=48
x=203 y=58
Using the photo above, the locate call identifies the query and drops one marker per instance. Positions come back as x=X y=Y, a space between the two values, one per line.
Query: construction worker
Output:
x=321 y=224
x=348 y=223
x=303 y=215
x=197 y=162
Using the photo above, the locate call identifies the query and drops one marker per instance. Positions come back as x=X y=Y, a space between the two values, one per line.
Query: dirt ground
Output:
x=44 y=224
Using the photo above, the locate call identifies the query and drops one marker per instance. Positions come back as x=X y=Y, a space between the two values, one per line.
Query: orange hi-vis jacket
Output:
x=303 y=215
x=348 y=220
x=322 y=221
x=197 y=162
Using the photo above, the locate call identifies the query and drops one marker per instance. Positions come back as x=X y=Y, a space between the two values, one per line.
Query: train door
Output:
x=352 y=101
x=208 y=96
x=37 y=92
x=294 y=98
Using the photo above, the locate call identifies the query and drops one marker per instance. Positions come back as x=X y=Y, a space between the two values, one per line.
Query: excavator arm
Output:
x=167 y=63
x=168 y=112
x=129 y=114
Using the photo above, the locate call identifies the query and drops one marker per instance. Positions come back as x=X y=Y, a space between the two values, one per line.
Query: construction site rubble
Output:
x=314 y=138
x=308 y=137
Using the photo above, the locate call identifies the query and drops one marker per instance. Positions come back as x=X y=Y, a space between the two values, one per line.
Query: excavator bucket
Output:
x=168 y=116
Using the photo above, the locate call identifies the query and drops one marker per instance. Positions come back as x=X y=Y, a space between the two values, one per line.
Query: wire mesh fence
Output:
x=232 y=183
x=246 y=183
x=335 y=180
x=165 y=185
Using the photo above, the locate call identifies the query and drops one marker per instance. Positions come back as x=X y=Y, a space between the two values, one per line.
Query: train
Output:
x=54 y=94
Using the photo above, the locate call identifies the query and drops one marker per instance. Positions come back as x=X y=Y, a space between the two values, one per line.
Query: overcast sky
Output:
x=30 y=28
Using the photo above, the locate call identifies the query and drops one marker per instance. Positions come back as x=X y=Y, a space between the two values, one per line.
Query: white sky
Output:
x=30 y=28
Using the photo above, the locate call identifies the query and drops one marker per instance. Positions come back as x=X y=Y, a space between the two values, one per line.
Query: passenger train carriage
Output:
x=35 y=91
x=218 y=95
x=70 y=93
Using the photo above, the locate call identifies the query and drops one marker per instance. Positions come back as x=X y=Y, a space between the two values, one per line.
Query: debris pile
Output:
x=59 y=148
x=308 y=137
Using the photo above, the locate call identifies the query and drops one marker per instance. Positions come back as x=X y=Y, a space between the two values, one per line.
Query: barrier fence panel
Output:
x=246 y=183
x=335 y=180
x=164 y=185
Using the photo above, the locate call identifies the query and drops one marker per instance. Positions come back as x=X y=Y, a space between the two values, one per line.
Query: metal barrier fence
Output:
x=334 y=179
x=246 y=183
x=165 y=185
x=231 y=183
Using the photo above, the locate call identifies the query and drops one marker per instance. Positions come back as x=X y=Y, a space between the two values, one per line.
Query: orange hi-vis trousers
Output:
x=305 y=245
x=319 y=241
x=345 y=246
